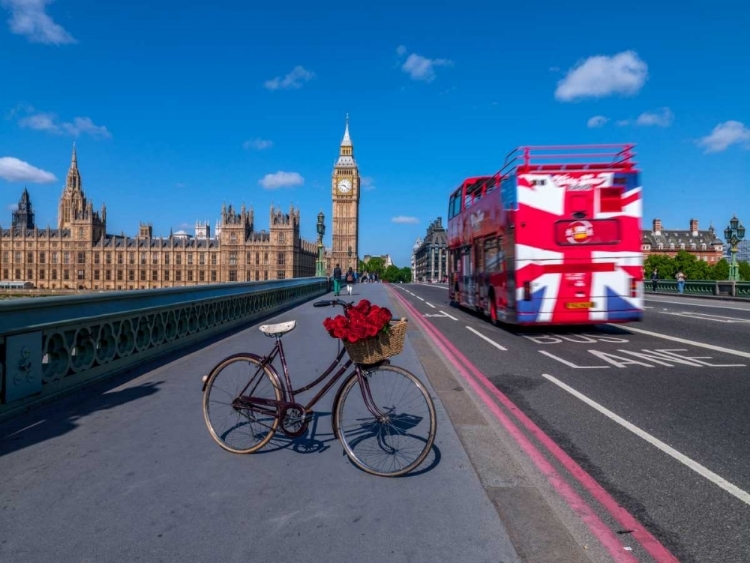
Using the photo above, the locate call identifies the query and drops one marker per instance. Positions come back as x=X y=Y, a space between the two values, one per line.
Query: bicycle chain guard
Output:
x=294 y=420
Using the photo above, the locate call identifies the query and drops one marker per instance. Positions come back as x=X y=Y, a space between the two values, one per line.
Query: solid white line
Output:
x=685 y=341
x=430 y=304
x=691 y=304
x=694 y=465
x=482 y=336
x=420 y=298
x=450 y=316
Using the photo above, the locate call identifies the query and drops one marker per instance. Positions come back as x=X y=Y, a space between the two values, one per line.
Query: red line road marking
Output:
x=608 y=539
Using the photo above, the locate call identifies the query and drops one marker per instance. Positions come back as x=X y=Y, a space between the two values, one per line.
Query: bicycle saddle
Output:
x=278 y=329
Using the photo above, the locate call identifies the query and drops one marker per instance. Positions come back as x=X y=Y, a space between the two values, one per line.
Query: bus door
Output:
x=467 y=276
x=479 y=291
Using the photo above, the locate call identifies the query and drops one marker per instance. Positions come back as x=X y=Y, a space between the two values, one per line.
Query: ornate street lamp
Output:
x=734 y=234
x=320 y=266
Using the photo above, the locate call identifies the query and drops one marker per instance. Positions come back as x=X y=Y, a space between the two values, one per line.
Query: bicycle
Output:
x=268 y=400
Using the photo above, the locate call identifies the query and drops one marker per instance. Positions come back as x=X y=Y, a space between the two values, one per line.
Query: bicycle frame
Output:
x=289 y=392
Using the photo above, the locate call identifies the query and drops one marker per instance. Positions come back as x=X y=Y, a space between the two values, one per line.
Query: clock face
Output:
x=345 y=186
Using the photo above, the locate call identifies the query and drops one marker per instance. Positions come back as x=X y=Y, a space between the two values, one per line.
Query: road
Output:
x=657 y=412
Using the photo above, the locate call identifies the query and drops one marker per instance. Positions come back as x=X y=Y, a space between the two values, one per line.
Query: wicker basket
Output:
x=380 y=347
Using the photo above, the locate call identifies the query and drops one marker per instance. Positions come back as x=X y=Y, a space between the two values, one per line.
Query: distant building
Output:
x=80 y=254
x=704 y=245
x=743 y=251
x=414 y=259
x=430 y=258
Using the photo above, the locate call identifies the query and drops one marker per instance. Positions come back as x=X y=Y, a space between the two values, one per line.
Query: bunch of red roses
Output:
x=359 y=322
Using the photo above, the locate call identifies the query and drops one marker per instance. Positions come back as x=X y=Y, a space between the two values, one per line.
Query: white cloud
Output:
x=295 y=79
x=41 y=121
x=367 y=183
x=623 y=122
x=405 y=220
x=724 y=135
x=13 y=207
x=257 y=144
x=14 y=170
x=419 y=67
x=29 y=18
x=597 y=121
x=662 y=118
x=599 y=76
x=281 y=180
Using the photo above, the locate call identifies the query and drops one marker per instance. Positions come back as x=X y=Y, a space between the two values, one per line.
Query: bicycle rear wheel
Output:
x=234 y=421
x=397 y=442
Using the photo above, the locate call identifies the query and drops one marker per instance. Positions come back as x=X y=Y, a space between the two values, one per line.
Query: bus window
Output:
x=491 y=256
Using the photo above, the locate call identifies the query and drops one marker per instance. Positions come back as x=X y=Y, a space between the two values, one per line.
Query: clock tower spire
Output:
x=345 y=193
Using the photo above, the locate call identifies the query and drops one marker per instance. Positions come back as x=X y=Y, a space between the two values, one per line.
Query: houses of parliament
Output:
x=80 y=254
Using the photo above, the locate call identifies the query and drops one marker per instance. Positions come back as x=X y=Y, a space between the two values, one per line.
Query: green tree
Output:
x=405 y=275
x=744 y=266
x=375 y=265
x=720 y=271
x=391 y=274
x=666 y=267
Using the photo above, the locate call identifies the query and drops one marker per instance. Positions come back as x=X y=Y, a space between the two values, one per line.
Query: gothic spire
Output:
x=73 y=180
x=74 y=157
x=346 y=142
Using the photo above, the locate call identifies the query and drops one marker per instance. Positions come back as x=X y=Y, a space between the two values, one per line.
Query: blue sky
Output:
x=178 y=107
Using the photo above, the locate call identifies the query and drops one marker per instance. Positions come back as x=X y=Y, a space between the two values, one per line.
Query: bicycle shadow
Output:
x=316 y=441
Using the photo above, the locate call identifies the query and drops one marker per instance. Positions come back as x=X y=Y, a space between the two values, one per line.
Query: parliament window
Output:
x=41 y=274
x=119 y=258
x=202 y=258
x=178 y=275
x=97 y=258
x=108 y=257
x=53 y=274
x=202 y=275
x=81 y=275
x=119 y=275
x=280 y=260
x=5 y=274
x=232 y=258
x=190 y=275
x=66 y=274
x=154 y=275
x=18 y=274
x=166 y=259
x=131 y=275
x=81 y=258
x=29 y=274
x=96 y=274
x=213 y=275
x=108 y=275
x=66 y=258
x=190 y=259
x=178 y=259
x=280 y=275
x=154 y=258
x=29 y=257
x=42 y=257
x=166 y=275
x=143 y=275
x=143 y=257
x=213 y=259
x=131 y=257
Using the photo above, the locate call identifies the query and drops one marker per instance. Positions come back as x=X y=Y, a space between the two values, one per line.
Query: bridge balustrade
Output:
x=55 y=345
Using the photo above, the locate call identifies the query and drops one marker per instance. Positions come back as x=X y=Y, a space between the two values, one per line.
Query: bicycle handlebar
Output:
x=333 y=303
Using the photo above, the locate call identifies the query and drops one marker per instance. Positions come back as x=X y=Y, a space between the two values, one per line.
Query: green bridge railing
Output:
x=711 y=288
x=53 y=346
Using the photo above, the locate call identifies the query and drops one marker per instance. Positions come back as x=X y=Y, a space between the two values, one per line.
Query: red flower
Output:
x=362 y=321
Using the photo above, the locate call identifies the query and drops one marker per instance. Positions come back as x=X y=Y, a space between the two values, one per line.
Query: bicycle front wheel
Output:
x=238 y=404
x=397 y=440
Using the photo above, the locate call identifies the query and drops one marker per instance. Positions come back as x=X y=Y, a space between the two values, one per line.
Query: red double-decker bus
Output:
x=554 y=237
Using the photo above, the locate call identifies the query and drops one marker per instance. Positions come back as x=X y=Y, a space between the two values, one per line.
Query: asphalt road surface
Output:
x=657 y=412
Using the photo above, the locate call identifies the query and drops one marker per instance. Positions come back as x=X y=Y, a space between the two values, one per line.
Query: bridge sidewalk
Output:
x=127 y=471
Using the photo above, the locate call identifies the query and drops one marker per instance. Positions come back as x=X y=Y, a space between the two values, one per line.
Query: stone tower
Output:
x=23 y=217
x=345 y=192
x=75 y=213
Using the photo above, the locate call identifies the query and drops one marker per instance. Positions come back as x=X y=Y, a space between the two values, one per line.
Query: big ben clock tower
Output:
x=345 y=193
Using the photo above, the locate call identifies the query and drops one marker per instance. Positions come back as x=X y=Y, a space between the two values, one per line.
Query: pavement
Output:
x=126 y=471
x=655 y=413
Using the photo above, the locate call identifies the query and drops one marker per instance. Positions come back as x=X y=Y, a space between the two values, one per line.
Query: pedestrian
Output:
x=680 y=282
x=337 y=280
x=349 y=280
x=654 y=279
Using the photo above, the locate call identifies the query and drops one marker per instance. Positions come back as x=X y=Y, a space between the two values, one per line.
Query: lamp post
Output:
x=320 y=266
x=734 y=234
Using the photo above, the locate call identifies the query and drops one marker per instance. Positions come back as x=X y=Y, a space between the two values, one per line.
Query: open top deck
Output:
x=552 y=158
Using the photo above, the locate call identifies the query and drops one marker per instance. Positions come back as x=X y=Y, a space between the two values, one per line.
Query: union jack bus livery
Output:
x=554 y=237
